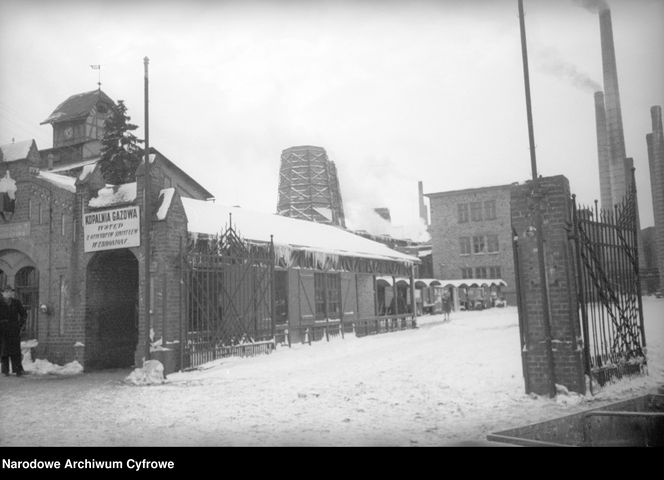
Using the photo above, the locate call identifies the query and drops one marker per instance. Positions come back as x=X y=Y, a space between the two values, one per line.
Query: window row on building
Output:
x=481 y=272
x=476 y=211
x=478 y=244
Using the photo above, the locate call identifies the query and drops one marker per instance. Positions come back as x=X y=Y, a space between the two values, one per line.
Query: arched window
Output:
x=3 y=279
x=26 y=277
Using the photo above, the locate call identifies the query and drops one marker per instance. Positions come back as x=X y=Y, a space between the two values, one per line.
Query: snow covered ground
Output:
x=444 y=383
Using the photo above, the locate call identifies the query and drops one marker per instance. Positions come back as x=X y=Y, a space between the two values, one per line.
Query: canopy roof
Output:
x=291 y=233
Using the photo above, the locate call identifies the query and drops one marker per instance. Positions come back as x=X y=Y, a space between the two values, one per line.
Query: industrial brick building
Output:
x=471 y=235
x=74 y=249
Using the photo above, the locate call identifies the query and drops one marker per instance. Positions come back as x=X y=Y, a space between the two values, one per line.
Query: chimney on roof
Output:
x=423 y=208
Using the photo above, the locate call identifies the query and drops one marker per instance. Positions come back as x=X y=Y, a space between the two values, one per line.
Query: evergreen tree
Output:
x=120 y=151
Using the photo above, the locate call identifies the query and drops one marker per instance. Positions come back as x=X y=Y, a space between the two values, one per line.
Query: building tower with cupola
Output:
x=78 y=128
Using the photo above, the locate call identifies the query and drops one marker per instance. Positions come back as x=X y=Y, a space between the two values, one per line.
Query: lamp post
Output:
x=538 y=213
x=147 y=216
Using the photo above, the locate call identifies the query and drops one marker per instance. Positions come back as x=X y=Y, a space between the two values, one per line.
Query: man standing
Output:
x=12 y=319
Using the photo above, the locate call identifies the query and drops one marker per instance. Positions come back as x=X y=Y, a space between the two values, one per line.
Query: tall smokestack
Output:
x=655 y=143
x=603 y=153
x=620 y=174
x=423 y=208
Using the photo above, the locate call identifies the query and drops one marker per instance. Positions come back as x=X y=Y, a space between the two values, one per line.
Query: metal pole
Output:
x=273 y=284
x=538 y=213
x=147 y=217
x=582 y=301
x=412 y=294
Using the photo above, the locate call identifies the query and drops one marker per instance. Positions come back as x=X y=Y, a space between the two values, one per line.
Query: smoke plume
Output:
x=549 y=61
x=593 y=6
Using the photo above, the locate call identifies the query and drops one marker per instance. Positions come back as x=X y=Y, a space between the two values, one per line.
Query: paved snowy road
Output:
x=442 y=383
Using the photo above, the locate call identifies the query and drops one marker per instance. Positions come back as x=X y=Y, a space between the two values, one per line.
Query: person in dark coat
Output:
x=12 y=320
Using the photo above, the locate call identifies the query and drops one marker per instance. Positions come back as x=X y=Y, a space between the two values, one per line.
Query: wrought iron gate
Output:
x=229 y=301
x=609 y=289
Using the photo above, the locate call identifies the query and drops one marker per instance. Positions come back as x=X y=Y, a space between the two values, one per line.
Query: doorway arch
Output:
x=111 y=317
x=26 y=286
x=20 y=271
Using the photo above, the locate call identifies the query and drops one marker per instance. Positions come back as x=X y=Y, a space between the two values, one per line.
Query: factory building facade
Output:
x=471 y=236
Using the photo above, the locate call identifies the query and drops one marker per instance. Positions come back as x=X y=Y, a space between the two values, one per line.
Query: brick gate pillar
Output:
x=552 y=196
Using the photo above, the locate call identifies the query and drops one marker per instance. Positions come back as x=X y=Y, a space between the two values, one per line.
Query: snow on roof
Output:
x=467 y=282
x=87 y=170
x=71 y=166
x=210 y=218
x=474 y=282
x=62 y=181
x=114 y=195
x=77 y=106
x=16 y=151
x=166 y=197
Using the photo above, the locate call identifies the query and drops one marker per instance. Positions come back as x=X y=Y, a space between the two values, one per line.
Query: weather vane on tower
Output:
x=97 y=67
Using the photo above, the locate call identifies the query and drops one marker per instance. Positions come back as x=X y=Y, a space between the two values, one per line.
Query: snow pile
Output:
x=152 y=373
x=157 y=346
x=44 y=367
x=565 y=397
x=114 y=195
x=26 y=349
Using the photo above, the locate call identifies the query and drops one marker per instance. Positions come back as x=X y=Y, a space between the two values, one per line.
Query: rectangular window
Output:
x=463 y=212
x=61 y=306
x=333 y=295
x=40 y=214
x=30 y=209
x=492 y=243
x=466 y=273
x=490 y=210
x=464 y=245
x=319 y=294
x=327 y=292
x=62 y=225
x=480 y=272
x=478 y=244
x=495 y=272
x=476 y=211
x=281 y=297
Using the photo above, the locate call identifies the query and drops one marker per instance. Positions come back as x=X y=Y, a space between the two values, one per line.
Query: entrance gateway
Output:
x=592 y=331
x=111 y=326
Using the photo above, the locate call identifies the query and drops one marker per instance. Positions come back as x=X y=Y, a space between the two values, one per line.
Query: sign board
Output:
x=15 y=230
x=109 y=229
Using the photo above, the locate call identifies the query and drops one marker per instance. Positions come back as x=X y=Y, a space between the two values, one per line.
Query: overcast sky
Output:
x=395 y=92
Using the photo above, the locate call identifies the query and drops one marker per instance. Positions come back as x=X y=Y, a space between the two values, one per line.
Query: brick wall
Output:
x=565 y=329
x=44 y=245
